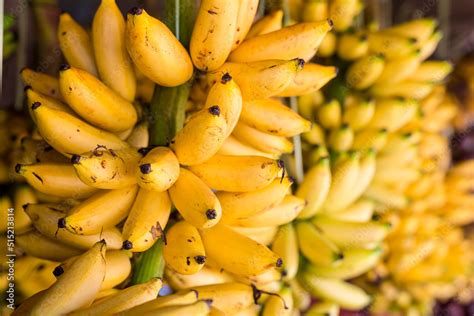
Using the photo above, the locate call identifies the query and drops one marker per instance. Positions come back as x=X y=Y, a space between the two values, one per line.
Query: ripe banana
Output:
x=404 y=89
x=370 y=139
x=365 y=71
x=397 y=70
x=34 y=97
x=262 y=235
x=158 y=169
x=341 y=139
x=323 y=308
x=234 y=147
x=428 y=47
x=393 y=114
x=205 y=276
x=358 y=115
x=113 y=63
x=139 y=137
x=200 y=308
x=268 y=23
x=390 y=46
x=177 y=299
x=420 y=29
x=245 y=17
x=41 y=82
x=432 y=71
x=285 y=245
x=328 y=45
x=342 y=13
x=146 y=221
x=281 y=305
x=329 y=114
x=312 y=78
x=22 y=195
x=352 y=46
x=168 y=66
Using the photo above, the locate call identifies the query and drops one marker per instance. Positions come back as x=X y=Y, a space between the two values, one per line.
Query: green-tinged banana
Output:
x=184 y=251
x=45 y=218
x=77 y=287
x=358 y=115
x=342 y=293
x=365 y=71
x=70 y=135
x=266 y=142
x=102 y=210
x=281 y=305
x=350 y=234
x=391 y=46
x=177 y=299
x=146 y=221
x=246 y=256
x=39 y=246
x=205 y=276
x=428 y=47
x=94 y=101
x=352 y=46
x=76 y=44
x=139 y=137
x=245 y=17
x=432 y=71
x=55 y=179
x=315 y=246
x=213 y=34
x=261 y=79
x=200 y=308
x=170 y=65
x=195 y=201
x=323 y=309
x=360 y=211
x=34 y=97
x=420 y=29
x=233 y=147
x=201 y=137
x=397 y=70
x=158 y=170
x=41 y=82
x=404 y=89
x=273 y=117
x=312 y=78
x=328 y=45
x=262 y=235
x=241 y=205
x=393 y=114
x=285 y=245
x=268 y=23
x=329 y=114
x=22 y=195
x=300 y=40
x=105 y=168
x=341 y=139
x=368 y=138
x=342 y=13
x=315 y=187
x=113 y=63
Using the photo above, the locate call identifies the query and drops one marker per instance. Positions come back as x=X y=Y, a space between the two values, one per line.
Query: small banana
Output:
x=41 y=82
x=358 y=115
x=285 y=245
x=342 y=13
x=268 y=23
x=262 y=235
x=329 y=114
x=281 y=305
x=323 y=309
x=428 y=47
x=397 y=70
x=177 y=299
x=365 y=71
x=431 y=71
x=34 y=97
x=199 y=308
x=23 y=195
x=158 y=169
x=312 y=78
x=233 y=147
x=341 y=139
x=393 y=114
x=404 y=89
x=390 y=46
x=205 y=276
x=39 y=151
x=328 y=46
x=315 y=10
x=352 y=46
x=247 y=11
x=139 y=137
x=420 y=29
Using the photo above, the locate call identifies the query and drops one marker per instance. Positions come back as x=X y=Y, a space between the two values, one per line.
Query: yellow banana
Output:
x=393 y=114
x=146 y=221
x=391 y=46
x=428 y=47
x=432 y=71
x=94 y=101
x=262 y=235
x=158 y=170
x=281 y=305
x=170 y=65
x=312 y=78
x=285 y=245
x=329 y=114
x=315 y=136
x=22 y=195
x=234 y=147
x=358 y=115
x=103 y=210
x=341 y=139
x=41 y=82
x=247 y=257
x=205 y=276
x=113 y=63
x=204 y=209
x=201 y=137
x=387 y=196
x=35 y=151
x=342 y=13
x=200 y=308
x=27 y=305
x=315 y=187
x=139 y=137
x=404 y=89
x=300 y=40
x=76 y=44
x=34 y=97
x=55 y=179
x=360 y=211
x=213 y=34
x=261 y=79
x=77 y=287
x=245 y=17
x=323 y=309
x=268 y=23
x=420 y=29
x=328 y=46
x=45 y=218
x=70 y=135
x=184 y=251
x=177 y=299
x=315 y=10
x=397 y=70
x=370 y=139
x=365 y=71
x=301 y=298
x=105 y=168
x=352 y=46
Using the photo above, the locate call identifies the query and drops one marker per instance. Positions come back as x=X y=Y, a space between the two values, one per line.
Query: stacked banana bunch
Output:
x=101 y=193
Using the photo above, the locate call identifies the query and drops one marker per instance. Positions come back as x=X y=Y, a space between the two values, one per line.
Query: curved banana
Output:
x=105 y=168
x=268 y=23
x=285 y=245
x=77 y=287
x=329 y=114
x=23 y=195
x=45 y=218
x=390 y=46
x=342 y=13
x=146 y=221
x=328 y=46
x=420 y=29
x=360 y=211
x=387 y=196
x=238 y=173
x=184 y=251
x=404 y=89
x=365 y=71
x=158 y=169
x=213 y=35
x=205 y=276
x=397 y=70
x=55 y=179
x=431 y=71
x=367 y=171
x=281 y=305
x=393 y=114
x=301 y=298
x=300 y=40
x=103 y=210
x=168 y=66
x=341 y=139
x=113 y=63
x=245 y=17
x=76 y=44
x=139 y=137
x=428 y=47
x=323 y=309
x=177 y=299
x=233 y=147
x=312 y=78
x=352 y=46
x=369 y=138
x=262 y=235
x=41 y=82
x=39 y=151
x=34 y=97
x=358 y=115
x=199 y=308
x=204 y=209
x=94 y=101
x=315 y=10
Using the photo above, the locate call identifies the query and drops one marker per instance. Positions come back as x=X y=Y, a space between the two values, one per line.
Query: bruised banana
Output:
x=245 y=17
x=41 y=82
x=268 y=23
x=312 y=78
x=158 y=169
x=285 y=245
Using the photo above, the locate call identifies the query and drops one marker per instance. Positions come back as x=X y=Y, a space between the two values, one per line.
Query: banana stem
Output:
x=149 y=264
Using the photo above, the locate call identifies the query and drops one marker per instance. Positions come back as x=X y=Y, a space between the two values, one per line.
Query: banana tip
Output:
x=35 y=105
x=62 y=223
x=18 y=168
x=215 y=110
x=279 y=262
x=145 y=168
x=226 y=78
x=64 y=67
x=75 y=159
x=58 y=271
x=211 y=214
x=26 y=88
x=135 y=11
x=127 y=245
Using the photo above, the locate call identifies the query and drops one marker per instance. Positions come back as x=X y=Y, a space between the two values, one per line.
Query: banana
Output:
x=146 y=221
x=315 y=10
x=139 y=137
x=26 y=306
x=35 y=244
x=21 y=196
x=268 y=23
x=316 y=135
x=45 y=218
x=432 y=71
x=34 y=97
x=247 y=257
x=329 y=114
x=168 y=66
x=349 y=234
x=393 y=114
x=94 y=101
x=103 y=210
x=369 y=138
x=200 y=308
x=323 y=309
x=238 y=206
x=213 y=35
x=204 y=209
x=113 y=63
x=201 y=137
x=300 y=40
x=301 y=298
x=37 y=151
x=315 y=246
x=397 y=70
x=352 y=46
x=177 y=299
x=387 y=196
x=158 y=169
x=261 y=79
x=77 y=287
x=281 y=305
x=234 y=147
x=428 y=47
x=358 y=115
x=342 y=13
x=76 y=44
x=70 y=135
x=359 y=211
x=391 y=46
x=285 y=245
x=404 y=89
x=420 y=29
x=41 y=82
x=312 y=78
x=245 y=17
x=105 y=168
x=328 y=46
x=364 y=72
x=270 y=143
x=55 y=179
x=184 y=251
x=315 y=187
x=262 y=235
x=342 y=293
x=341 y=139
x=205 y=276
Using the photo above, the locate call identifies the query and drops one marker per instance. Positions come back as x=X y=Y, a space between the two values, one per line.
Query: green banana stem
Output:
x=149 y=264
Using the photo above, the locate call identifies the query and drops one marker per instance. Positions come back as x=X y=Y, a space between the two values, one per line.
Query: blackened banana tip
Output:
x=215 y=110
x=226 y=78
x=135 y=11
x=127 y=245
x=35 y=105
x=75 y=159
x=64 y=67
